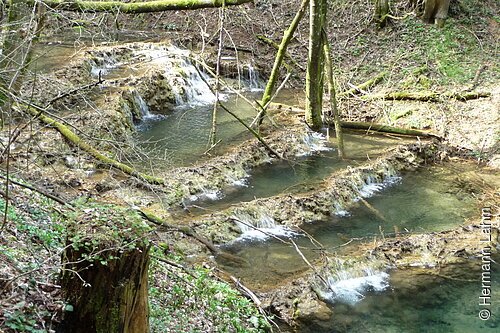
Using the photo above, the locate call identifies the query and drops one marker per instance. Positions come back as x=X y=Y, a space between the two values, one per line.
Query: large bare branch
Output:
x=138 y=7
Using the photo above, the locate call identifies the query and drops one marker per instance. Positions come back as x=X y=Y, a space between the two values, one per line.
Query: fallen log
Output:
x=137 y=7
x=426 y=96
x=360 y=125
x=78 y=142
x=365 y=85
x=387 y=129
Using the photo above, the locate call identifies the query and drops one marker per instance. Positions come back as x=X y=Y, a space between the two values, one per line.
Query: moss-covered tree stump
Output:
x=105 y=272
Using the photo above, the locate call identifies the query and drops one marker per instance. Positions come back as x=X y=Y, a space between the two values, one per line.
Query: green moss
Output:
x=96 y=226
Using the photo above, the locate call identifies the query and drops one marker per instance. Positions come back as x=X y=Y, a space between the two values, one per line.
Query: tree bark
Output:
x=314 y=74
x=104 y=277
x=436 y=11
x=138 y=7
x=381 y=12
x=333 y=98
x=285 y=41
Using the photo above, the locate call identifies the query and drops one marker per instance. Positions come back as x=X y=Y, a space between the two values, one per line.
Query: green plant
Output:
x=198 y=303
x=20 y=321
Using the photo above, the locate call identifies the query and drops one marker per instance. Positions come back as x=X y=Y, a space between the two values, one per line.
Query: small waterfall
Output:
x=313 y=142
x=258 y=225
x=144 y=108
x=206 y=194
x=373 y=183
x=349 y=284
x=189 y=87
x=254 y=83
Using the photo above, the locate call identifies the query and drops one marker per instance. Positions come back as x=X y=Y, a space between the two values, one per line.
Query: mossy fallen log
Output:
x=77 y=141
x=137 y=7
x=426 y=96
x=360 y=125
x=365 y=85
x=387 y=129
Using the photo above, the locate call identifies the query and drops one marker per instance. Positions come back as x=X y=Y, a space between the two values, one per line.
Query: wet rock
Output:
x=70 y=161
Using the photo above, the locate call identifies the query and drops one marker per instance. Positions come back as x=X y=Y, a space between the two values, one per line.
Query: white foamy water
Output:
x=349 y=284
x=314 y=142
x=206 y=194
x=144 y=108
x=253 y=79
x=260 y=228
x=373 y=186
x=351 y=290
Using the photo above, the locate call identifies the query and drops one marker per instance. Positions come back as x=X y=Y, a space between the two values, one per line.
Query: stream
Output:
x=419 y=202
x=431 y=199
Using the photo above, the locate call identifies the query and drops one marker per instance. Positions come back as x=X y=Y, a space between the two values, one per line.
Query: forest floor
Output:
x=416 y=57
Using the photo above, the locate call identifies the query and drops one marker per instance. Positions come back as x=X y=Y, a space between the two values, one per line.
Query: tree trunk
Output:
x=105 y=273
x=333 y=98
x=427 y=96
x=138 y=7
x=287 y=37
x=386 y=129
x=22 y=28
x=436 y=11
x=314 y=74
x=381 y=12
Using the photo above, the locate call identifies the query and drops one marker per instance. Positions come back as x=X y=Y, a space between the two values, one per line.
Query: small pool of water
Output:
x=418 y=303
x=431 y=199
x=300 y=175
x=182 y=137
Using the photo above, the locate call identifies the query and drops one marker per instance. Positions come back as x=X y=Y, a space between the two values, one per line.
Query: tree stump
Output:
x=105 y=272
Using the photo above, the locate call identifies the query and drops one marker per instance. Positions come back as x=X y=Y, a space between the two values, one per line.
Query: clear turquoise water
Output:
x=427 y=200
x=302 y=174
x=420 y=303
x=182 y=137
x=431 y=199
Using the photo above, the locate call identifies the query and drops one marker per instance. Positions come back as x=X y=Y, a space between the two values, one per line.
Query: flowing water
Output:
x=182 y=137
x=302 y=174
x=416 y=302
x=431 y=199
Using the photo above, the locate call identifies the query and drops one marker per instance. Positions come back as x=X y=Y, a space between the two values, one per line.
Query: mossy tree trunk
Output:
x=436 y=11
x=137 y=7
x=278 y=60
x=381 y=12
x=315 y=63
x=105 y=275
x=334 y=111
